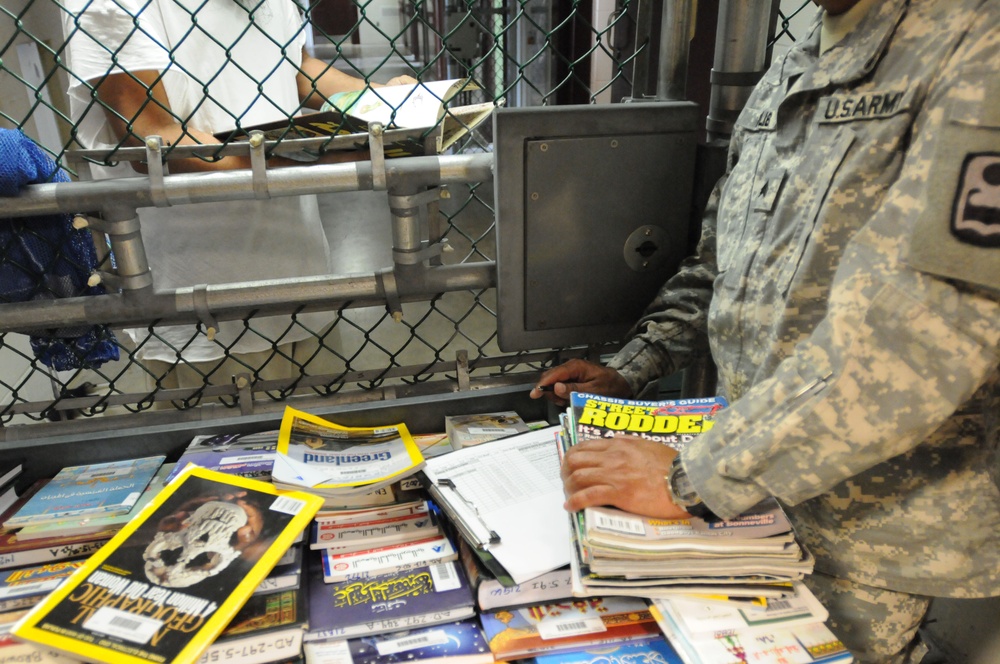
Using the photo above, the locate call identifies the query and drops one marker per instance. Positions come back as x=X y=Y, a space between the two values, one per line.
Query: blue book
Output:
x=420 y=597
x=244 y=454
x=459 y=642
x=654 y=651
x=88 y=490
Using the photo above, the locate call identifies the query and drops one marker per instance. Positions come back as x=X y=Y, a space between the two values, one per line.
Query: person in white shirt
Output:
x=185 y=70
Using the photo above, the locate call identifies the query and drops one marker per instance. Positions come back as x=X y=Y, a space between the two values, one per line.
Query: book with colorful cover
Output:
x=416 y=598
x=94 y=524
x=23 y=587
x=654 y=651
x=567 y=625
x=243 y=454
x=319 y=455
x=269 y=628
x=172 y=579
x=88 y=490
x=460 y=642
x=15 y=552
x=809 y=643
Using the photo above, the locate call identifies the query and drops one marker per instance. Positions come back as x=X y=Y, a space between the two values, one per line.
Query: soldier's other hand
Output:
x=627 y=473
x=580 y=376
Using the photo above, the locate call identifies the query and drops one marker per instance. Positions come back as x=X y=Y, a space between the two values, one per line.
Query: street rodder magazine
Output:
x=171 y=580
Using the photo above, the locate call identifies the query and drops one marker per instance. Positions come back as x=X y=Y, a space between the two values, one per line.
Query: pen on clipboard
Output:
x=494 y=538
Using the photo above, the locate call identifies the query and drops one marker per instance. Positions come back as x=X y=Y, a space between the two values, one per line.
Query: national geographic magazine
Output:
x=171 y=580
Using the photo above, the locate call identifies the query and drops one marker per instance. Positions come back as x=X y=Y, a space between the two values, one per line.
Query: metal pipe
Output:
x=742 y=35
x=640 y=66
x=234 y=301
x=675 y=43
x=136 y=192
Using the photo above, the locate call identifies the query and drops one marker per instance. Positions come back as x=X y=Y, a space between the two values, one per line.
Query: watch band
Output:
x=683 y=493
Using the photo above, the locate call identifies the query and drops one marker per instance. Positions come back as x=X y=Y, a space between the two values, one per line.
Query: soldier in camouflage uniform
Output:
x=847 y=286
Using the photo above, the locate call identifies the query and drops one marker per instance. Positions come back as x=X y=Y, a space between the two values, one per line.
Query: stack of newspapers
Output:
x=622 y=553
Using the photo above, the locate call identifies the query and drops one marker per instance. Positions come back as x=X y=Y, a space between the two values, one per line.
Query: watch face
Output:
x=680 y=488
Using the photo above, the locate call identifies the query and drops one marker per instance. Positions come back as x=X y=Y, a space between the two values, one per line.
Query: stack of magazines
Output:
x=350 y=467
x=621 y=553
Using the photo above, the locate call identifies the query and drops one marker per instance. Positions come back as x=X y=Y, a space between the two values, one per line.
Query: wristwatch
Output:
x=682 y=492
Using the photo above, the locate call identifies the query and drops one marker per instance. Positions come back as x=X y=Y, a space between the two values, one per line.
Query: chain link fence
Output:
x=517 y=52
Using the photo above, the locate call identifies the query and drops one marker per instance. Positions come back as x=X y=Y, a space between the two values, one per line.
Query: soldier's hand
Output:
x=580 y=376
x=627 y=473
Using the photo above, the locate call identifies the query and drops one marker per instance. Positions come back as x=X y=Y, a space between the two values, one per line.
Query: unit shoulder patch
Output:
x=975 y=217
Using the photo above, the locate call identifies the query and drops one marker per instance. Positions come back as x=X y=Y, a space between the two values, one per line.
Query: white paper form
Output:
x=512 y=486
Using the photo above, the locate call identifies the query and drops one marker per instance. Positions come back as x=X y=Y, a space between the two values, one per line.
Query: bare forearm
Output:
x=318 y=81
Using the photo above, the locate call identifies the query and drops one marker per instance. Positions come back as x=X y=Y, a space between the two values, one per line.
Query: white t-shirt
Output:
x=213 y=60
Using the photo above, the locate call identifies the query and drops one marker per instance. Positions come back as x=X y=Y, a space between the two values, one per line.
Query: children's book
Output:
x=15 y=552
x=321 y=456
x=24 y=587
x=94 y=524
x=269 y=628
x=417 y=598
x=809 y=643
x=567 y=625
x=469 y=430
x=460 y=642
x=424 y=109
x=654 y=651
x=88 y=490
x=246 y=455
x=172 y=579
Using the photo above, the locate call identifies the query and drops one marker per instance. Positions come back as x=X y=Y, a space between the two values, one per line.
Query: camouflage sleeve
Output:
x=904 y=343
x=671 y=332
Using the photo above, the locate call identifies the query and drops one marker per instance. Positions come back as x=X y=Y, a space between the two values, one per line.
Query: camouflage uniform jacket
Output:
x=847 y=285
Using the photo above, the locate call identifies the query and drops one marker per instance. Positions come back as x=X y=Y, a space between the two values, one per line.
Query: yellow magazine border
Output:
x=26 y=626
x=412 y=449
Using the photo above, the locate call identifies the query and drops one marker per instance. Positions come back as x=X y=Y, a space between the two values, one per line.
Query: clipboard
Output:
x=475 y=534
x=463 y=514
x=463 y=482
